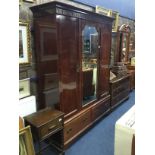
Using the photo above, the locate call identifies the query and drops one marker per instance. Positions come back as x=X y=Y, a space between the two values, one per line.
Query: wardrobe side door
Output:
x=105 y=49
x=68 y=52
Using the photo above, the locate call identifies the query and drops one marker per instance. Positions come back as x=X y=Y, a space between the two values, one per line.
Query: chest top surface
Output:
x=43 y=116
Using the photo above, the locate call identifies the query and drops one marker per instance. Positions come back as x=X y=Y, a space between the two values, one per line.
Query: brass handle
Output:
x=85 y=119
x=51 y=127
x=69 y=130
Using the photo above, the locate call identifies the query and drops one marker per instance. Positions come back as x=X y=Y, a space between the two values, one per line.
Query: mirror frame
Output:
x=124 y=30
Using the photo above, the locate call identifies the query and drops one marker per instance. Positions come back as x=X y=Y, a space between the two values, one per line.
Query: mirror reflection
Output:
x=89 y=63
x=124 y=47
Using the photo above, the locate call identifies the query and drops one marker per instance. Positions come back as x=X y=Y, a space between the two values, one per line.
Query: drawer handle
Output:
x=60 y=119
x=69 y=130
x=85 y=119
x=51 y=127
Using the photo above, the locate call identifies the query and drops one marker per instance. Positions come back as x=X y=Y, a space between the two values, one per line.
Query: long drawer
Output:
x=74 y=127
x=120 y=89
x=100 y=108
x=118 y=83
x=117 y=92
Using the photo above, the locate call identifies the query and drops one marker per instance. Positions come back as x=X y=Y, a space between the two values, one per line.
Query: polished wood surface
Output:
x=44 y=124
x=76 y=125
x=132 y=79
x=46 y=55
x=101 y=108
x=104 y=62
x=68 y=61
x=119 y=90
x=80 y=122
x=44 y=116
x=131 y=72
x=58 y=31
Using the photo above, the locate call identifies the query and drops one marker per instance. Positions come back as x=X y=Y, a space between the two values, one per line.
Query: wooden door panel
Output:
x=104 y=60
x=47 y=64
x=68 y=48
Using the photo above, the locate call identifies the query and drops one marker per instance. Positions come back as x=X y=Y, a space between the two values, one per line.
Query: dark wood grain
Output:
x=68 y=60
x=58 y=47
x=119 y=90
x=104 y=59
x=44 y=124
x=131 y=72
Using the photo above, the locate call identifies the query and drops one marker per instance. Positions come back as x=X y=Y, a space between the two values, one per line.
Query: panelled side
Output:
x=47 y=62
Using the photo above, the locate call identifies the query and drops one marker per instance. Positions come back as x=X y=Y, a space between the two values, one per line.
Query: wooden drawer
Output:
x=121 y=96
x=120 y=82
x=120 y=89
x=50 y=127
x=100 y=108
x=132 y=80
x=76 y=125
x=50 y=81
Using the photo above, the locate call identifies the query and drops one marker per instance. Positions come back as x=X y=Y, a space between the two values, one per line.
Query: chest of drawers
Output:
x=119 y=90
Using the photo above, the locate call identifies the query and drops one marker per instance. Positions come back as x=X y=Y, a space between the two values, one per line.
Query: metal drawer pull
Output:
x=51 y=127
x=69 y=130
x=60 y=119
x=85 y=119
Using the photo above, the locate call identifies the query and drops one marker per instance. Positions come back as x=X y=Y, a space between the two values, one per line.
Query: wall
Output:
x=126 y=8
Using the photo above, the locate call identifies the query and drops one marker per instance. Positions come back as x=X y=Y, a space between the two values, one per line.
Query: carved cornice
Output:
x=67 y=10
x=69 y=13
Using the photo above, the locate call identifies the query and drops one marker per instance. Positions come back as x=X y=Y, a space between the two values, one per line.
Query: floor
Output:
x=99 y=140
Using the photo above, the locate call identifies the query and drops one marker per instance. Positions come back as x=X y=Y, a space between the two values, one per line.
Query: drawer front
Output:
x=120 y=89
x=76 y=125
x=50 y=127
x=121 y=82
x=120 y=97
x=100 y=108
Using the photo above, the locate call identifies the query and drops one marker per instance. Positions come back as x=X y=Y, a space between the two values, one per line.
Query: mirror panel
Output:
x=124 y=40
x=89 y=63
x=124 y=47
x=113 y=54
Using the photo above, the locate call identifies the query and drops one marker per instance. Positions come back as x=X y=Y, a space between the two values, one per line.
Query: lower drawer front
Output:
x=120 y=97
x=76 y=125
x=100 y=108
x=50 y=127
x=119 y=83
x=121 y=88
